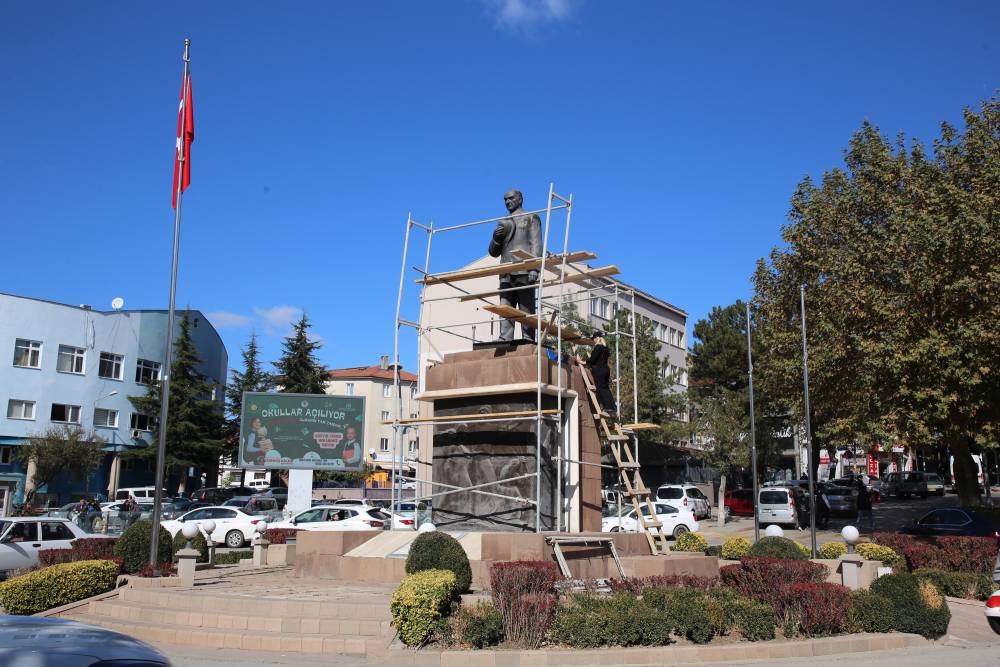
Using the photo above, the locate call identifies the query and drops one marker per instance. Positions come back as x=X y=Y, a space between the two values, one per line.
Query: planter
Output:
x=280 y=554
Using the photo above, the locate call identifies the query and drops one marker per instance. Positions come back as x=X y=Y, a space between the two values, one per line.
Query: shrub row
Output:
x=967 y=585
x=82 y=548
x=280 y=535
x=420 y=602
x=232 y=557
x=781 y=583
x=524 y=596
x=778 y=547
x=636 y=585
x=949 y=553
x=57 y=585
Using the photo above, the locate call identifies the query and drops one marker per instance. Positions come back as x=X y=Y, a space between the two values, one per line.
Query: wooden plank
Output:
x=569 y=334
x=641 y=426
x=473 y=417
x=507 y=267
x=573 y=278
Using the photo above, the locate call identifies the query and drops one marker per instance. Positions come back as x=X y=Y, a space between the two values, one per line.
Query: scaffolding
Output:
x=547 y=322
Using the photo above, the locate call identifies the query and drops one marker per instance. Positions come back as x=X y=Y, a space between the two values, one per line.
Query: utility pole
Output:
x=809 y=447
x=753 y=434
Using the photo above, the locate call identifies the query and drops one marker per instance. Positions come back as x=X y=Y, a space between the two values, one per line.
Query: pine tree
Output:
x=252 y=378
x=194 y=420
x=299 y=371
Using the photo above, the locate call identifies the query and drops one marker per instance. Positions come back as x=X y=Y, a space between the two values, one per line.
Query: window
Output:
x=18 y=409
x=6 y=455
x=383 y=444
x=110 y=366
x=70 y=359
x=386 y=390
x=69 y=414
x=105 y=418
x=311 y=516
x=54 y=530
x=142 y=422
x=604 y=308
x=146 y=372
x=27 y=353
x=350 y=389
x=385 y=415
x=26 y=531
x=413 y=445
x=595 y=305
x=413 y=391
x=680 y=339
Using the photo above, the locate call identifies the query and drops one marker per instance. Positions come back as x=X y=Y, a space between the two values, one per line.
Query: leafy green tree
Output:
x=900 y=253
x=194 y=420
x=252 y=378
x=718 y=356
x=721 y=422
x=299 y=371
x=60 y=450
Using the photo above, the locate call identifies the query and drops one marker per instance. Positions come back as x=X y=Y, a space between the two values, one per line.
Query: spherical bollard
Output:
x=427 y=528
x=851 y=536
x=190 y=531
x=774 y=531
x=208 y=527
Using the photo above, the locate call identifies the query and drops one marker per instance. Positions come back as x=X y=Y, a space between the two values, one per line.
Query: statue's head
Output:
x=513 y=200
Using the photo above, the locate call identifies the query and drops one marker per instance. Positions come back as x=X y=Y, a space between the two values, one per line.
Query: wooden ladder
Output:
x=628 y=469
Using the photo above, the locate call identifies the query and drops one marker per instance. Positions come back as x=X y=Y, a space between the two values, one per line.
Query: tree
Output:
x=194 y=420
x=722 y=421
x=299 y=371
x=899 y=252
x=58 y=450
x=718 y=358
x=252 y=378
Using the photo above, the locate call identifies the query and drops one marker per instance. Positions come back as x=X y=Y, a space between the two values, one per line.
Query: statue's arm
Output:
x=536 y=236
x=498 y=239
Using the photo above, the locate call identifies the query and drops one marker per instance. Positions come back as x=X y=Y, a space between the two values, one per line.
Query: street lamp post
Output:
x=809 y=447
x=753 y=434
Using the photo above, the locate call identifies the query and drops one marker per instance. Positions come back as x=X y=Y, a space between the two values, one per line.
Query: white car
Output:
x=675 y=522
x=233 y=526
x=336 y=517
x=685 y=497
x=21 y=538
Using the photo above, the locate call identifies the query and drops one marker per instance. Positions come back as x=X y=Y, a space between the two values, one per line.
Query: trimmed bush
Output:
x=870 y=612
x=198 y=543
x=617 y=620
x=918 y=553
x=232 y=557
x=832 y=550
x=821 y=608
x=777 y=547
x=871 y=551
x=736 y=548
x=82 y=548
x=522 y=592
x=133 y=546
x=754 y=620
x=481 y=626
x=969 y=554
x=420 y=602
x=636 y=585
x=967 y=585
x=911 y=611
x=690 y=542
x=806 y=550
x=280 y=535
x=440 y=551
x=47 y=557
x=714 y=550
x=690 y=611
x=771 y=580
x=57 y=585
x=161 y=570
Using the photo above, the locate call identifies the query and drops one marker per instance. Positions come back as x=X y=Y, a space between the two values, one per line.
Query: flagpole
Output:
x=161 y=449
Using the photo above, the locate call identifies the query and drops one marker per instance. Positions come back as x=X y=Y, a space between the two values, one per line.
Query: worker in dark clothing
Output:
x=865 y=507
x=598 y=365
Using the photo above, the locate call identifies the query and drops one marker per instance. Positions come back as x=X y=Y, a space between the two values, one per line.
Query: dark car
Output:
x=955 y=521
x=58 y=642
x=740 y=502
x=219 y=495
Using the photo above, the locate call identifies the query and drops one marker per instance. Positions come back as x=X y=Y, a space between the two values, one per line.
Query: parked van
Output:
x=777 y=504
x=140 y=493
x=905 y=484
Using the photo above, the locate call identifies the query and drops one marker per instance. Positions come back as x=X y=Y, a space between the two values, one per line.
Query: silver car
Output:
x=57 y=642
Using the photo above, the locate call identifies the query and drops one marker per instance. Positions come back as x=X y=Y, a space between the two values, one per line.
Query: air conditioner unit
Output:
x=136 y=434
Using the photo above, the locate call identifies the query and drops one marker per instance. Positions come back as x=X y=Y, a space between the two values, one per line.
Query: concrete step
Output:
x=250 y=640
x=369 y=607
x=248 y=620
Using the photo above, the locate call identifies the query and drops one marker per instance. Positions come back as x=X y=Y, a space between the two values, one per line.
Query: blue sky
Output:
x=681 y=128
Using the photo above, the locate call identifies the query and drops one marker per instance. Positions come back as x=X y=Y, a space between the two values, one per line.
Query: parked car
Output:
x=66 y=511
x=777 y=505
x=179 y=506
x=219 y=495
x=685 y=496
x=59 y=642
x=21 y=538
x=140 y=493
x=740 y=502
x=333 y=517
x=356 y=502
x=279 y=493
x=955 y=521
x=843 y=498
x=935 y=484
x=905 y=484
x=675 y=521
x=233 y=526
x=253 y=504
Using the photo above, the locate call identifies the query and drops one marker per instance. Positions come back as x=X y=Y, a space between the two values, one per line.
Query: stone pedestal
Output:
x=186 y=559
x=850 y=565
x=504 y=380
x=260 y=552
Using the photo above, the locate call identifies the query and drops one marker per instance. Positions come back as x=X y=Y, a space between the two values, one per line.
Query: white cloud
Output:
x=221 y=319
x=278 y=319
x=526 y=15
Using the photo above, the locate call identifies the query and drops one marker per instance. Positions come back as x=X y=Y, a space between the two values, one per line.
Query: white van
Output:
x=139 y=493
x=258 y=484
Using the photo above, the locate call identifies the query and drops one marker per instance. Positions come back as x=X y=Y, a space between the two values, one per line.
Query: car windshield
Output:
x=773 y=497
x=4 y=525
x=378 y=514
x=670 y=493
x=933 y=478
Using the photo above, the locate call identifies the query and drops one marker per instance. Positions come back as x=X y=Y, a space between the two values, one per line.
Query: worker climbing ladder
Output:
x=628 y=468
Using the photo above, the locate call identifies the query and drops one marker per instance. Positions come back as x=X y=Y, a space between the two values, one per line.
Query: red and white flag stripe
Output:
x=185 y=127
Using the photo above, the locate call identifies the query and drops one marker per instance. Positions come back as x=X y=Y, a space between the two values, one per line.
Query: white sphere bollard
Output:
x=427 y=528
x=851 y=536
x=774 y=531
x=208 y=527
x=190 y=531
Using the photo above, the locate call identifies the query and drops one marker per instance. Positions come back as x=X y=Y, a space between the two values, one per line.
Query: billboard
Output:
x=307 y=431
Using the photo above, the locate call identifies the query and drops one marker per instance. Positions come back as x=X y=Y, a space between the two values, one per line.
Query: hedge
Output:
x=967 y=585
x=420 y=602
x=821 y=609
x=82 y=548
x=736 y=548
x=870 y=612
x=754 y=620
x=771 y=580
x=232 y=557
x=777 y=547
x=949 y=553
x=620 y=619
x=871 y=551
x=832 y=550
x=481 y=625
x=917 y=606
x=57 y=585
x=524 y=596
x=690 y=542
x=133 y=546
x=280 y=535
x=440 y=551
x=637 y=585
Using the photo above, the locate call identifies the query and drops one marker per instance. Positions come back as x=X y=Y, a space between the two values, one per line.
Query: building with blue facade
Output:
x=63 y=364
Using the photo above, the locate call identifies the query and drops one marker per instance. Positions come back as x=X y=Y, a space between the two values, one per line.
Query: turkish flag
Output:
x=185 y=133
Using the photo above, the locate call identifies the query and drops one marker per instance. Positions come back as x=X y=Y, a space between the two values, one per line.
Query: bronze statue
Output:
x=520 y=231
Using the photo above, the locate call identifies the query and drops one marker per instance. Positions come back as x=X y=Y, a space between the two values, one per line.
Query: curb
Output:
x=663 y=655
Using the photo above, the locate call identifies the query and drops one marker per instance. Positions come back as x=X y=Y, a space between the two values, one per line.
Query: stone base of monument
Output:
x=498 y=454
x=381 y=556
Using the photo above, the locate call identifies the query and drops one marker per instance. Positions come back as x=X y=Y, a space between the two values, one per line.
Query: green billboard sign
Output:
x=308 y=431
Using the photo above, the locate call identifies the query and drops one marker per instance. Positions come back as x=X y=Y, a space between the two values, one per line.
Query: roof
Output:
x=370 y=373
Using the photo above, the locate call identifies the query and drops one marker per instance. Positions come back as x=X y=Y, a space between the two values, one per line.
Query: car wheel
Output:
x=616 y=529
x=680 y=530
x=994 y=623
x=234 y=539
